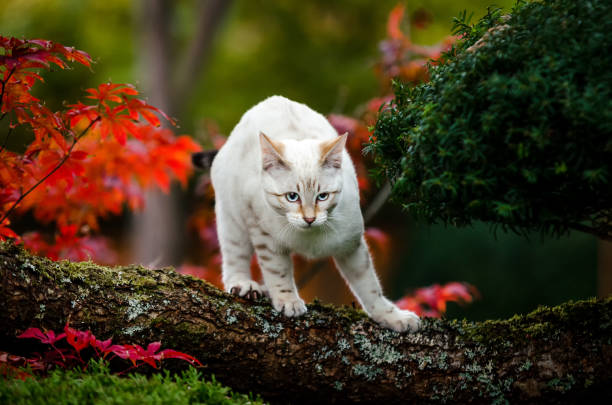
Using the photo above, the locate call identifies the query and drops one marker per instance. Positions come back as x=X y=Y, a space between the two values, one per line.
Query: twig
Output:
x=61 y=162
x=311 y=273
x=8 y=134
x=4 y=82
x=601 y=234
x=377 y=203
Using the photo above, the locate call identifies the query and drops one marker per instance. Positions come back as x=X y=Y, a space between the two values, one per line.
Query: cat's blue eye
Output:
x=292 y=197
x=322 y=196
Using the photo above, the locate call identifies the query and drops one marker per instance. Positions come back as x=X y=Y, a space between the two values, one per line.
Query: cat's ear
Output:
x=271 y=153
x=331 y=151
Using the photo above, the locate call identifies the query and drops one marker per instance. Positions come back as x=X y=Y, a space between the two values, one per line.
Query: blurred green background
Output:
x=321 y=53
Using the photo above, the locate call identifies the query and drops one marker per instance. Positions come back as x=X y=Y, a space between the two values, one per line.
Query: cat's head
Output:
x=302 y=179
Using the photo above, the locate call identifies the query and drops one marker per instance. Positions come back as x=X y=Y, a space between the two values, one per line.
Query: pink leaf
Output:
x=173 y=354
x=77 y=339
x=45 y=337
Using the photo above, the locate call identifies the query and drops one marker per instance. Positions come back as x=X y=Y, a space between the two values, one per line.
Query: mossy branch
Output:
x=331 y=354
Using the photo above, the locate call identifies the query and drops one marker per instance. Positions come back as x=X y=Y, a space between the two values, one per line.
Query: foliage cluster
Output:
x=73 y=348
x=513 y=127
x=97 y=385
x=431 y=301
x=84 y=162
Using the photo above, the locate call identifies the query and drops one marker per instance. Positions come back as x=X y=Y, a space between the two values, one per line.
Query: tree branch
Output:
x=211 y=14
x=377 y=202
x=602 y=234
x=329 y=355
x=4 y=82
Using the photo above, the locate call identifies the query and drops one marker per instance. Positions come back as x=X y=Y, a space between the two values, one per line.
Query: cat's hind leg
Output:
x=236 y=253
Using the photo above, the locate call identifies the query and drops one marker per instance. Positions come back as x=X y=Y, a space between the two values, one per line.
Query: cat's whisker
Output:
x=285 y=231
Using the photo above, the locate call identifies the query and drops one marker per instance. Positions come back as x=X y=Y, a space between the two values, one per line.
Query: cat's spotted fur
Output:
x=284 y=184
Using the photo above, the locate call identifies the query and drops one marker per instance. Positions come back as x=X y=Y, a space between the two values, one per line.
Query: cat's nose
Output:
x=309 y=220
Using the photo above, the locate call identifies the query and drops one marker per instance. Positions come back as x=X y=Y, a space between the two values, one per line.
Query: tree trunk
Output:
x=551 y=355
x=158 y=231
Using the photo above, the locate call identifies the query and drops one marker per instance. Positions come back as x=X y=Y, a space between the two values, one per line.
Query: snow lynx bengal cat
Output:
x=285 y=184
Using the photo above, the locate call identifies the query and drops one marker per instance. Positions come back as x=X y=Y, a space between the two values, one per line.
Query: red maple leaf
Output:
x=77 y=339
x=47 y=337
x=173 y=354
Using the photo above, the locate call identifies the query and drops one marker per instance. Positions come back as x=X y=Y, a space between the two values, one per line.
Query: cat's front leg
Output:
x=358 y=270
x=236 y=253
x=277 y=272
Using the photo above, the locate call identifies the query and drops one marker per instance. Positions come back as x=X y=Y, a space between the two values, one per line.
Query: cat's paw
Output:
x=289 y=306
x=248 y=289
x=398 y=320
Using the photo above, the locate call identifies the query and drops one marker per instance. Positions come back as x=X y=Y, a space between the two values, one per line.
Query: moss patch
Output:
x=98 y=386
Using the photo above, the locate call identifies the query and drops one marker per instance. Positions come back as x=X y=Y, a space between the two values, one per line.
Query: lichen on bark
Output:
x=330 y=354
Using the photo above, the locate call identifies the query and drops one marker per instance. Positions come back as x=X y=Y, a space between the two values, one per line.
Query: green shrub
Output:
x=514 y=127
x=98 y=386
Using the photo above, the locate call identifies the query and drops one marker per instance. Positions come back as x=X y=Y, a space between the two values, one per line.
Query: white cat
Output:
x=285 y=184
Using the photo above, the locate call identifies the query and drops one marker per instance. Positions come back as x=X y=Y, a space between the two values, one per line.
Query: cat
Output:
x=285 y=184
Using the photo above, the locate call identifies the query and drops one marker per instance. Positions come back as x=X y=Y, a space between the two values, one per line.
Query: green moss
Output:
x=562 y=384
x=98 y=386
x=349 y=314
x=526 y=365
x=543 y=323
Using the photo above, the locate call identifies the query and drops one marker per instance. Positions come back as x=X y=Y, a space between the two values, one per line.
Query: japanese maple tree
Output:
x=84 y=162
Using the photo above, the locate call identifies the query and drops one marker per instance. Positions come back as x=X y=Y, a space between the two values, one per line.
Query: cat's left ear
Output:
x=331 y=152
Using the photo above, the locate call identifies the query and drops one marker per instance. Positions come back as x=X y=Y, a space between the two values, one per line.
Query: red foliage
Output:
x=11 y=366
x=431 y=301
x=68 y=244
x=401 y=58
x=85 y=162
x=78 y=341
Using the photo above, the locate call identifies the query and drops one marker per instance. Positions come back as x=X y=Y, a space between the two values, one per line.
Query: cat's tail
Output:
x=204 y=159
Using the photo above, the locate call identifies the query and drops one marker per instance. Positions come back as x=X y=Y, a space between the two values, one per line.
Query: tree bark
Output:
x=329 y=355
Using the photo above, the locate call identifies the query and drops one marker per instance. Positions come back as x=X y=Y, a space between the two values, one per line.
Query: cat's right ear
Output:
x=271 y=153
